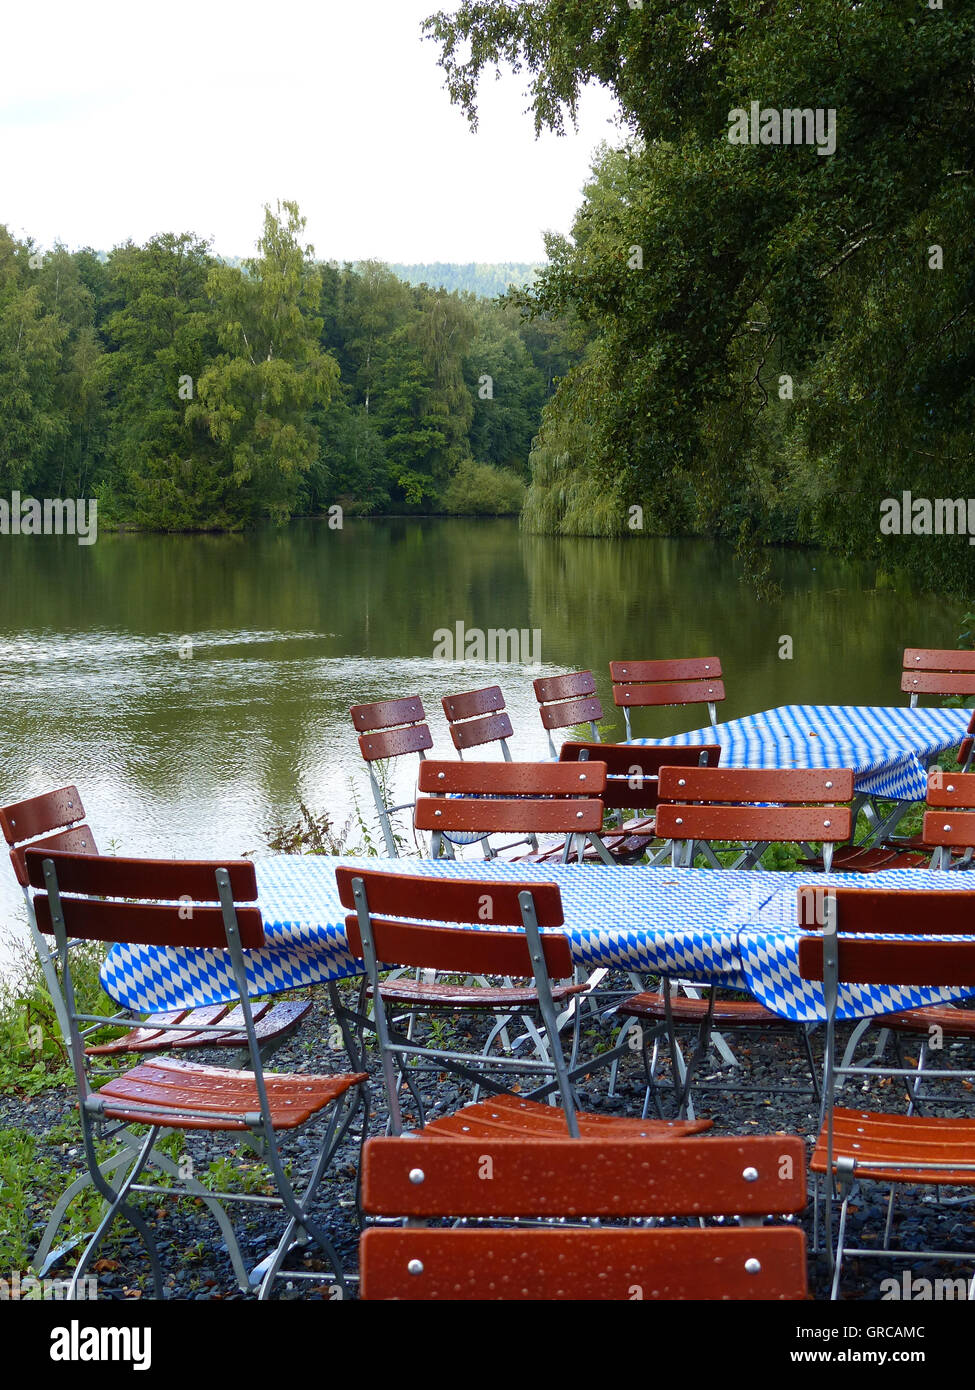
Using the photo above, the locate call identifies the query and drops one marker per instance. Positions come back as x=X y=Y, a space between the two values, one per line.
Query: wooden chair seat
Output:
x=173 y=1087
x=271 y=1021
x=885 y=1146
x=508 y=1117
x=728 y=1013
x=958 y=1023
x=850 y=859
x=447 y=996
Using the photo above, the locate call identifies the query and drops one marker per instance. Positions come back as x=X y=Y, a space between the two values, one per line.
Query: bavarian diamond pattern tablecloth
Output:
x=888 y=748
x=737 y=929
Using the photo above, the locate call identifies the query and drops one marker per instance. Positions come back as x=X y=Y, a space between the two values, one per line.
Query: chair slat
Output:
x=78 y=840
x=512 y=779
x=695 y=668
x=385 y=714
x=937 y=659
x=470 y=703
x=571 y=712
x=392 y=742
x=459 y=949
x=938 y=683
x=954 y=828
x=472 y=733
x=831 y=824
x=116 y=877
x=584 y=1177
x=579 y=683
x=527 y=814
x=626 y=759
x=38 y=815
x=865 y=962
x=450 y=900
x=148 y=924
x=585 y=1265
x=929 y=911
x=951 y=788
x=669 y=693
x=792 y=786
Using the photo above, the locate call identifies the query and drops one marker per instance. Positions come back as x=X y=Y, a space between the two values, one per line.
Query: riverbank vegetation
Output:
x=188 y=393
x=780 y=334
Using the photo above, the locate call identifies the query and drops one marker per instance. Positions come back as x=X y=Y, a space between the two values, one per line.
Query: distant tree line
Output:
x=190 y=393
x=486 y=279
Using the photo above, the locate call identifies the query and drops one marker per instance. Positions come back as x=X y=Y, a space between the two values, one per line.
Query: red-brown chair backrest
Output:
x=565 y=701
x=476 y=717
x=965 y=749
x=403 y=906
x=938 y=671
x=97 y=891
x=925 y=912
x=633 y=770
x=950 y=790
x=792 y=819
x=545 y=797
x=695 y=680
x=450 y=1177
x=33 y=820
x=390 y=728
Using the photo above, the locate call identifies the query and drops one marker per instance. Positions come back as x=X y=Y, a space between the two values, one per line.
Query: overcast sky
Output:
x=123 y=118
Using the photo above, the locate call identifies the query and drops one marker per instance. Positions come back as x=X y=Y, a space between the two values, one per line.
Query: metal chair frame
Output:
x=85 y=892
x=844 y=952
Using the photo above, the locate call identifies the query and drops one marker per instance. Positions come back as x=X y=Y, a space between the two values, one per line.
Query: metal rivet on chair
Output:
x=441 y=776
x=753 y=1266
x=415 y=1267
x=950 y=787
x=828 y=785
x=582 y=776
x=826 y=824
x=681 y=782
x=946 y=827
x=750 y=1175
x=438 y=813
x=578 y=815
x=680 y=820
x=417 y=1175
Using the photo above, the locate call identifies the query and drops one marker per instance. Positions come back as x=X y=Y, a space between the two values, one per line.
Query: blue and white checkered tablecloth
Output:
x=737 y=929
x=887 y=747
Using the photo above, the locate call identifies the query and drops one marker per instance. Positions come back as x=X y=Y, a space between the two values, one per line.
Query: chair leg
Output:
x=118 y=1207
x=40 y=1263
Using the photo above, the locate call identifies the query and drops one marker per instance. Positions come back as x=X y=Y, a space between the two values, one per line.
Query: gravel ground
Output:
x=197 y=1267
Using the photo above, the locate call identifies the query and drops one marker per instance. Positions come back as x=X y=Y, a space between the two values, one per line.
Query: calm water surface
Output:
x=200 y=756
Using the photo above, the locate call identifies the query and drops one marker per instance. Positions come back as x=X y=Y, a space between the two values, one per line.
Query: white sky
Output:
x=123 y=118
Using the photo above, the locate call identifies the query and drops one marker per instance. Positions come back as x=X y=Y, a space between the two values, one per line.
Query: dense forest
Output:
x=780 y=336
x=190 y=393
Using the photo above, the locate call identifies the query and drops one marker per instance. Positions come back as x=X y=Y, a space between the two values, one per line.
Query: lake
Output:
x=200 y=754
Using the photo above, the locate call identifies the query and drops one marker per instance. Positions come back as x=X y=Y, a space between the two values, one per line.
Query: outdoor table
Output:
x=888 y=748
x=737 y=929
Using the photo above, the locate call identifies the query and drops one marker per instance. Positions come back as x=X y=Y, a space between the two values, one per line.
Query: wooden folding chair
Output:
x=390 y=729
x=937 y=671
x=754 y=807
x=155 y=902
x=55 y=820
x=698 y=808
x=494 y=798
x=566 y=701
x=645 y=684
x=422 y=1179
x=950 y=824
x=476 y=928
x=631 y=785
x=857 y=1145
x=477 y=718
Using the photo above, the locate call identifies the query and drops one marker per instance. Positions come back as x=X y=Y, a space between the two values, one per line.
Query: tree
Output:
x=256 y=398
x=777 y=351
